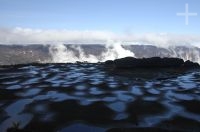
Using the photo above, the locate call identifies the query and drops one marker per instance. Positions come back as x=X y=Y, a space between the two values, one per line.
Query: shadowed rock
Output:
x=190 y=64
x=154 y=62
x=17 y=130
x=147 y=129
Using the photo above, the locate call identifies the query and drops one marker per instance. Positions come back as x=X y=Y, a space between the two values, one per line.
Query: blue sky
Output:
x=138 y=16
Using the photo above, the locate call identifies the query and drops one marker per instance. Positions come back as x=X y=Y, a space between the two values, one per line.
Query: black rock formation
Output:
x=191 y=64
x=154 y=62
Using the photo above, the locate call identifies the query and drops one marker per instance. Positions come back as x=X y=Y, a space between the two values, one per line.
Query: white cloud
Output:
x=38 y=36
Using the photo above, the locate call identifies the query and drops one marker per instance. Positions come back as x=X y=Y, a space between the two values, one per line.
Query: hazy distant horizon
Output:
x=123 y=21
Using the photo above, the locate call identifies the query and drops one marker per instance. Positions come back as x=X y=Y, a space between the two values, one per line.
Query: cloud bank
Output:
x=20 y=35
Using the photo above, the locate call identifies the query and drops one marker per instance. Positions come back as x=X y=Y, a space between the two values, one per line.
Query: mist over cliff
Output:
x=71 y=53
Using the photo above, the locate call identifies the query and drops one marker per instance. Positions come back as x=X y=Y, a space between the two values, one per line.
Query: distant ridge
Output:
x=37 y=53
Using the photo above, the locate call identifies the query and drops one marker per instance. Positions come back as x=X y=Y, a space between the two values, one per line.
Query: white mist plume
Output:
x=60 y=54
x=115 y=51
x=192 y=53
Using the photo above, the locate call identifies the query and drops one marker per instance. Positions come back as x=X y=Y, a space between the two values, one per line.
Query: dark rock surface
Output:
x=89 y=97
x=147 y=129
x=154 y=62
x=190 y=64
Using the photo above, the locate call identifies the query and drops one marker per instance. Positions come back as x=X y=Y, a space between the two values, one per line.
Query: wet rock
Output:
x=191 y=106
x=139 y=109
x=182 y=123
x=139 y=129
x=17 y=130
